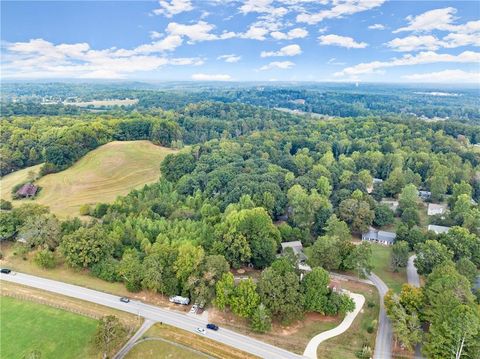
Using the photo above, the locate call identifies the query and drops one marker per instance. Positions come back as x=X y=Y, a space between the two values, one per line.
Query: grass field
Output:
x=346 y=346
x=158 y=349
x=14 y=178
x=381 y=261
x=56 y=334
x=103 y=174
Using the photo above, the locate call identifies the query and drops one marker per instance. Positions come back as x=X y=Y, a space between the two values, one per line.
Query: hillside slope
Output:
x=100 y=176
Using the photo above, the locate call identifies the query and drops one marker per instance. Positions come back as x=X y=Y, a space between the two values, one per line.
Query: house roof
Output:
x=28 y=189
x=377 y=235
x=438 y=229
x=295 y=245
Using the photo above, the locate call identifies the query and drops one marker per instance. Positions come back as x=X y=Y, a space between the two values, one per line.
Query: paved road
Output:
x=414 y=279
x=412 y=274
x=311 y=349
x=153 y=313
x=383 y=343
x=131 y=342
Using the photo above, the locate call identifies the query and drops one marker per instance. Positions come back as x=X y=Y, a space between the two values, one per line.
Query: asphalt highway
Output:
x=153 y=313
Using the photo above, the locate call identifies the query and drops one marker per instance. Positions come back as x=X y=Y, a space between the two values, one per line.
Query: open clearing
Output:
x=103 y=174
x=55 y=333
x=158 y=349
x=381 y=261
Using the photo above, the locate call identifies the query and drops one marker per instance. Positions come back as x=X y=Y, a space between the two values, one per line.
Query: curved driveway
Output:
x=414 y=279
x=311 y=349
x=153 y=313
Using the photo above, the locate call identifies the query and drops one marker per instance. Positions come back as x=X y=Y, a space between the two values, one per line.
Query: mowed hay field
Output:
x=103 y=174
x=54 y=333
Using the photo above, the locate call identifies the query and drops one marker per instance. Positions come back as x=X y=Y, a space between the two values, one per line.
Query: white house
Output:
x=297 y=249
x=435 y=209
x=382 y=237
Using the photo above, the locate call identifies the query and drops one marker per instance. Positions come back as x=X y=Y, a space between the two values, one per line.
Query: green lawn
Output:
x=56 y=334
x=381 y=261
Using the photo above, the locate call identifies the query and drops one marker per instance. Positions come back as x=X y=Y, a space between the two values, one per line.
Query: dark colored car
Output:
x=124 y=300
x=5 y=270
x=212 y=326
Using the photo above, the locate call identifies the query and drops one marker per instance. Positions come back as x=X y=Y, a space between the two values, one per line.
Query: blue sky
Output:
x=230 y=40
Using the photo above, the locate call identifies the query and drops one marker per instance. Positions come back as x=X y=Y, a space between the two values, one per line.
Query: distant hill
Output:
x=103 y=174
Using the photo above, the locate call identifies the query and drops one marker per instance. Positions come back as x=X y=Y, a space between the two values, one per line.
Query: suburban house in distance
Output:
x=297 y=249
x=27 y=190
x=438 y=229
x=382 y=237
x=374 y=182
x=435 y=209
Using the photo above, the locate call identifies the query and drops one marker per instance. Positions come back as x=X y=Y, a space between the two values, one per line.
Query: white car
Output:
x=194 y=309
x=201 y=331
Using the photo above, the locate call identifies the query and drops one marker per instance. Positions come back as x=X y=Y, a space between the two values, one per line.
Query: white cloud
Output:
x=255 y=33
x=377 y=27
x=297 y=33
x=283 y=65
x=38 y=58
x=201 y=31
x=173 y=7
x=339 y=10
x=427 y=57
x=334 y=61
x=414 y=43
x=343 y=41
x=169 y=43
x=262 y=6
x=430 y=42
x=290 y=50
x=229 y=58
x=211 y=77
x=438 y=19
x=155 y=35
x=445 y=76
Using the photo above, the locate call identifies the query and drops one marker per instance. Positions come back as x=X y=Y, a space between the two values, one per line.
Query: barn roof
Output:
x=28 y=189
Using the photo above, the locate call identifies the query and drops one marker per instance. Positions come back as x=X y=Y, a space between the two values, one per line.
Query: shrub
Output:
x=100 y=210
x=85 y=210
x=106 y=269
x=5 y=205
x=365 y=353
x=45 y=259
x=20 y=250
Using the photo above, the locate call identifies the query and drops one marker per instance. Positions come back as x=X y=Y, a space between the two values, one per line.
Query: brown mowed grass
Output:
x=111 y=170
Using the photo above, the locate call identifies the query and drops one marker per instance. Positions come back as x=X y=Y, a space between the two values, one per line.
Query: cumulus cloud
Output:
x=283 y=65
x=255 y=33
x=263 y=6
x=229 y=58
x=39 y=58
x=340 y=9
x=446 y=76
x=414 y=43
x=427 y=57
x=297 y=33
x=173 y=7
x=201 y=31
x=377 y=27
x=211 y=77
x=437 y=19
x=290 y=50
x=169 y=43
x=343 y=41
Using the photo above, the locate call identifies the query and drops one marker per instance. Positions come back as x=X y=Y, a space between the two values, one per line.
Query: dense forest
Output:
x=254 y=177
x=345 y=100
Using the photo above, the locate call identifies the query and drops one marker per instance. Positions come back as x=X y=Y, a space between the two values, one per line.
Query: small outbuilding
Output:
x=425 y=195
x=436 y=209
x=27 y=190
x=383 y=237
